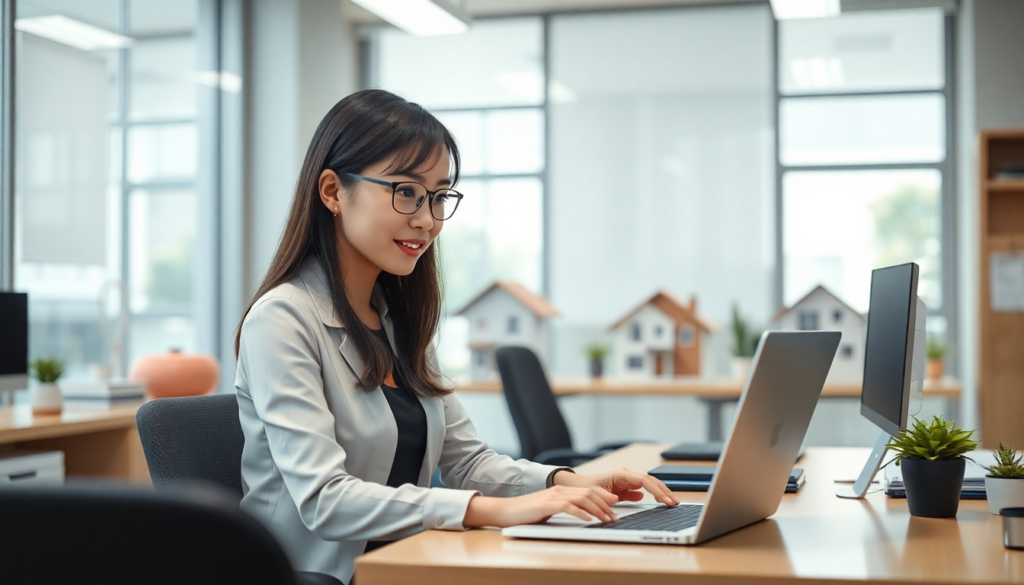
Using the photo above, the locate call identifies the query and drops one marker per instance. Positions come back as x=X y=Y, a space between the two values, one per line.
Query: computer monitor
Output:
x=13 y=342
x=893 y=361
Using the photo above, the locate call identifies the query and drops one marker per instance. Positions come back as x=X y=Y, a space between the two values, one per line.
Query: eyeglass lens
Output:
x=409 y=197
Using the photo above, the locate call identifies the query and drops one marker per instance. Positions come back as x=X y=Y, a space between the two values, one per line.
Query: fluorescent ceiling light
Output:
x=73 y=33
x=791 y=9
x=418 y=17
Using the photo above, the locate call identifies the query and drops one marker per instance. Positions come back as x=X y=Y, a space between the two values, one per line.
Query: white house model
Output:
x=822 y=310
x=506 y=313
x=663 y=338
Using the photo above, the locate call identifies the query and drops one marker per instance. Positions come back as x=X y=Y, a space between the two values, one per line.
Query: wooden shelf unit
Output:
x=1001 y=335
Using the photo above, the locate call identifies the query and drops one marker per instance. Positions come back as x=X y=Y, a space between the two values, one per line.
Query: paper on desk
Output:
x=1006 y=272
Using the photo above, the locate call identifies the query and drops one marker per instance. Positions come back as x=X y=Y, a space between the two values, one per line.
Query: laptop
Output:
x=771 y=420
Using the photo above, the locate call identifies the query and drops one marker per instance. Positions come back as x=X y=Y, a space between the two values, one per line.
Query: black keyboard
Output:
x=672 y=519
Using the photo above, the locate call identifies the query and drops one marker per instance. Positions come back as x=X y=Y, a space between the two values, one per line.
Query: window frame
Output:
x=945 y=167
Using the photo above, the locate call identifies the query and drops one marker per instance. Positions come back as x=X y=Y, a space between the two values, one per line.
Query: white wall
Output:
x=990 y=95
x=303 y=57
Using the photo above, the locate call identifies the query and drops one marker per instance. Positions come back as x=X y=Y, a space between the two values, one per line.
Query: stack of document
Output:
x=102 y=391
x=697 y=478
x=973 y=487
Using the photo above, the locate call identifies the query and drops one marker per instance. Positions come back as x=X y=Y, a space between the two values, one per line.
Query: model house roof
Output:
x=785 y=310
x=680 y=312
x=537 y=304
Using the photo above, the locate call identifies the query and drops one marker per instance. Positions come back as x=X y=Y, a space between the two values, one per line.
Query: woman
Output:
x=341 y=401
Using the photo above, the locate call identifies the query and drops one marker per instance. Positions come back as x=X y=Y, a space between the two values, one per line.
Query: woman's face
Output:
x=391 y=241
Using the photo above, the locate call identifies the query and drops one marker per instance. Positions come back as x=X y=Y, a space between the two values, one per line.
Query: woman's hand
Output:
x=585 y=503
x=621 y=483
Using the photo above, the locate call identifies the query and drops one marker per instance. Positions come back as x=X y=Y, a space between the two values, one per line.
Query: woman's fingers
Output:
x=659 y=490
x=631 y=496
x=570 y=508
x=598 y=498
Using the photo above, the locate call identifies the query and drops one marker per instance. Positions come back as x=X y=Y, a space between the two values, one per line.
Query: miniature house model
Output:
x=822 y=310
x=662 y=338
x=505 y=314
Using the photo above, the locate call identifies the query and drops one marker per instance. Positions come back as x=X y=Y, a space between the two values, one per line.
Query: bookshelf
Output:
x=1001 y=334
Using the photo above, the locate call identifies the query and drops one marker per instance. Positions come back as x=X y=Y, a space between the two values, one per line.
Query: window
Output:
x=493 y=104
x=480 y=357
x=864 y=154
x=635 y=362
x=108 y=182
x=513 y=324
x=658 y=331
x=687 y=336
x=634 y=331
x=848 y=351
x=837 y=316
x=808 y=321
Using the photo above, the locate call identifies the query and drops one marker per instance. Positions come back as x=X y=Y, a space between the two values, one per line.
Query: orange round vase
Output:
x=176 y=374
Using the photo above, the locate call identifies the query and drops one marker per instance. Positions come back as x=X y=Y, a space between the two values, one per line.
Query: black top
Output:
x=412 y=435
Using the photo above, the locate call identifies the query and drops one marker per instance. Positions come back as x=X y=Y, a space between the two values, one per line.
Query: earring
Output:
x=335 y=212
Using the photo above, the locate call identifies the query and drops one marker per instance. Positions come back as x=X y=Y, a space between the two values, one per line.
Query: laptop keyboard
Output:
x=672 y=519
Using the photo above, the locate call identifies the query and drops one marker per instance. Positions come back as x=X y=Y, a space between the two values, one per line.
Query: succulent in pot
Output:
x=46 y=396
x=1004 y=483
x=596 y=353
x=931 y=456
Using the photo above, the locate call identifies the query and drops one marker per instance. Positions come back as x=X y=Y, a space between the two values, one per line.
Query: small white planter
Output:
x=741 y=367
x=47 y=399
x=1004 y=493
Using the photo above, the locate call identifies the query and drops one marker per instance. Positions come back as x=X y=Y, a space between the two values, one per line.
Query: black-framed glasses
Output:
x=407 y=197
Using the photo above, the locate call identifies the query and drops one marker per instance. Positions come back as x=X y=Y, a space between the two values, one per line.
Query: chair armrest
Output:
x=564 y=457
x=308 y=578
x=615 y=446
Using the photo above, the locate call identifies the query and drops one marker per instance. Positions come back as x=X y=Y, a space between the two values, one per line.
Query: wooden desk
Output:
x=713 y=393
x=96 y=441
x=814 y=538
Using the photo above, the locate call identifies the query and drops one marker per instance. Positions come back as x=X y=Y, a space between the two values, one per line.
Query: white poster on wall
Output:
x=63 y=122
x=1007 y=281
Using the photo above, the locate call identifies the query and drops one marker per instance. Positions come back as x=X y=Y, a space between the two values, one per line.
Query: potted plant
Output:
x=596 y=353
x=1004 y=483
x=744 y=345
x=46 y=396
x=937 y=351
x=932 y=458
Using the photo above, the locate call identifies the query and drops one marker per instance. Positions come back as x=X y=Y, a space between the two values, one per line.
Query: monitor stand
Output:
x=867 y=475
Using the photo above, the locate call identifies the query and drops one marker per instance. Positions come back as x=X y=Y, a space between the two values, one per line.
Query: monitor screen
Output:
x=13 y=334
x=893 y=300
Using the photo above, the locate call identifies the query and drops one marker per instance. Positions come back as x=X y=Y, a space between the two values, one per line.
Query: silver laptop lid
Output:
x=774 y=411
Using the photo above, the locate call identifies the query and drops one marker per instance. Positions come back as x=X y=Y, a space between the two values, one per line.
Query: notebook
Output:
x=697 y=478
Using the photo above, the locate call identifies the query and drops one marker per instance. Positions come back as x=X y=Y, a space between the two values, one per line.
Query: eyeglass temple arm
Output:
x=372 y=180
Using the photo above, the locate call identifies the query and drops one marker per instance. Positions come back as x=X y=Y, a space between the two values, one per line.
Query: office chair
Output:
x=116 y=534
x=543 y=434
x=198 y=439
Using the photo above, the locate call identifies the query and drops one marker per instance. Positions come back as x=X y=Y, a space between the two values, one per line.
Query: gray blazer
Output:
x=318 y=449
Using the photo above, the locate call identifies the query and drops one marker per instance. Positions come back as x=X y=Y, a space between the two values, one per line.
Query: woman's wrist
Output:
x=564 y=477
x=481 y=511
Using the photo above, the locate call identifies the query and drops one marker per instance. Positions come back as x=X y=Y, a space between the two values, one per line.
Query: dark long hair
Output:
x=360 y=130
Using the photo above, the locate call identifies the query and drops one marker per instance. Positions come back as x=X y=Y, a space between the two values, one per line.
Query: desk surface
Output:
x=18 y=424
x=813 y=538
x=713 y=389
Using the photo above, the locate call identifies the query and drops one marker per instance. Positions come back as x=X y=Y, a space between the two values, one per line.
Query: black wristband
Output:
x=551 y=476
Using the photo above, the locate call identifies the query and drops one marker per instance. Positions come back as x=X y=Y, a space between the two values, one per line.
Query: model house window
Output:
x=808 y=321
x=847 y=351
x=480 y=357
x=837 y=316
x=687 y=336
x=513 y=324
x=481 y=324
x=658 y=330
x=635 y=362
x=634 y=332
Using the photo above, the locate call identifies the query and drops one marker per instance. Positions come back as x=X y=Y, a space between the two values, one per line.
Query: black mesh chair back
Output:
x=117 y=534
x=535 y=412
x=196 y=438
